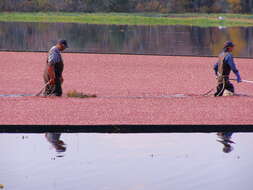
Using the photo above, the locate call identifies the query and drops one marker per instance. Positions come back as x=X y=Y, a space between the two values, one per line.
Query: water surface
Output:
x=160 y=40
x=186 y=161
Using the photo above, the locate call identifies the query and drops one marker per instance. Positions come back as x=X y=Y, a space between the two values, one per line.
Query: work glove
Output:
x=238 y=79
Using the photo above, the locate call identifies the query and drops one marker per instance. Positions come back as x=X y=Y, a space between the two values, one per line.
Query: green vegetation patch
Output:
x=189 y=19
x=75 y=94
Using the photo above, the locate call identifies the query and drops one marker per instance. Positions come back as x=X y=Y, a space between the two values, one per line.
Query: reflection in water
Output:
x=165 y=40
x=54 y=140
x=60 y=146
x=225 y=139
x=176 y=161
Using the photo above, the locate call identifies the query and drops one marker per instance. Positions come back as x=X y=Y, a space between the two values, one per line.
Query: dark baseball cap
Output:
x=228 y=44
x=63 y=42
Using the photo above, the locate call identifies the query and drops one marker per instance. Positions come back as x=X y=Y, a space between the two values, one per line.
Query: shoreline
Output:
x=187 y=19
x=125 y=129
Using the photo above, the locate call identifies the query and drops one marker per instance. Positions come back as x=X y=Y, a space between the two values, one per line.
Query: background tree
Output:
x=162 y=6
x=235 y=6
x=119 y=5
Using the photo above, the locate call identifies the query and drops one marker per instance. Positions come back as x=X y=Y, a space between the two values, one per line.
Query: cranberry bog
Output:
x=129 y=89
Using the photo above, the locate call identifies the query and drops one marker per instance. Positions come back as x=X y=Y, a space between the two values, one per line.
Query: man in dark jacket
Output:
x=54 y=68
x=222 y=70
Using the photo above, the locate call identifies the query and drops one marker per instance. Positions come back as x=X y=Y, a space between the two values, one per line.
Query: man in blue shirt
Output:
x=223 y=68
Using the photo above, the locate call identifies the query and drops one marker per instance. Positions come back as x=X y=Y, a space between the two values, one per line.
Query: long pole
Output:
x=42 y=89
x=247 y=81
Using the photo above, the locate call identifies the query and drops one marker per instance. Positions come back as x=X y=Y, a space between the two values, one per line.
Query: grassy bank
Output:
x=203 y=20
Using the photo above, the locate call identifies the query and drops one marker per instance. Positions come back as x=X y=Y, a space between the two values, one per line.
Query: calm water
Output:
x=126 y=161
x=164 y=40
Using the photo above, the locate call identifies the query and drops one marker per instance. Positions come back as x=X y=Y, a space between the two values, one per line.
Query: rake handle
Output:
x=248 y=81
x=42 y=89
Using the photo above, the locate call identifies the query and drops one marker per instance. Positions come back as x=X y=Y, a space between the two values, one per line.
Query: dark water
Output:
x=163 y=40
x=186 y=161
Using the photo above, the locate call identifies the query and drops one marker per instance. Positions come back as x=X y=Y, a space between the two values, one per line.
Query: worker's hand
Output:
x=52 y=81
x=239 y=79
x=62 y=79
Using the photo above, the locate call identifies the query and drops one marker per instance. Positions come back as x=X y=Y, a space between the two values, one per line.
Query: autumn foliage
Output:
x=162 y=6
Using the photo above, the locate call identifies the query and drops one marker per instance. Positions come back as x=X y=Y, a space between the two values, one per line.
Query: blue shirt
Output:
x=230 y=61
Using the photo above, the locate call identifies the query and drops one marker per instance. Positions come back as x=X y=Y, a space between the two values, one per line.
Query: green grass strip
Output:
x=189 y=19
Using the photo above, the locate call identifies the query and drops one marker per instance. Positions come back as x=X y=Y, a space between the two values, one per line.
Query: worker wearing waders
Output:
x=222 y=70
x=54 y=68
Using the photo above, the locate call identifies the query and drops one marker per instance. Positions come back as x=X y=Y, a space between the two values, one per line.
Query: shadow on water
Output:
x=161 y=40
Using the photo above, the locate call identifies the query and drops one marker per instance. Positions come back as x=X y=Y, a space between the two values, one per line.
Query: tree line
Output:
x=161 y=6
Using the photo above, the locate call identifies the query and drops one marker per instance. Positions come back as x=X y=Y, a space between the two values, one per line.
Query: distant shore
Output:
x=188 y=19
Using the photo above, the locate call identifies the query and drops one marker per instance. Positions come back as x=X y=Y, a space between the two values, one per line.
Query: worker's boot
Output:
x=228 y=93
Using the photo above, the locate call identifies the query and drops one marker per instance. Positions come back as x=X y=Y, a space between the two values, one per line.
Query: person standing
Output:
x=54 y=68
x=222 y=70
